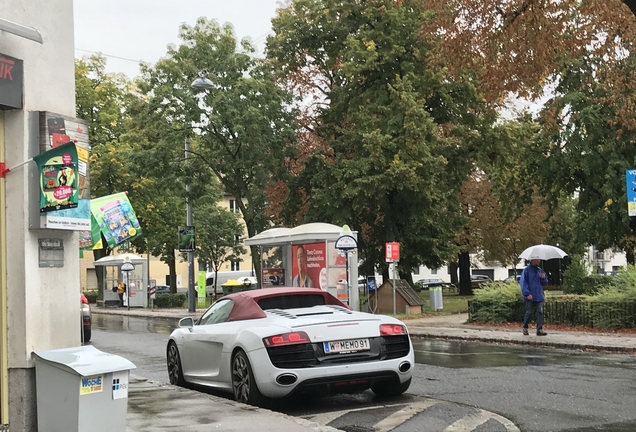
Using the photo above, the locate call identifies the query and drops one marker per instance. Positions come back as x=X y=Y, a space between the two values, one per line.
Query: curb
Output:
x=529 y=342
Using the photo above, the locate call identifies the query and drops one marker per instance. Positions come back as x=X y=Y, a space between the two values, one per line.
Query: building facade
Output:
x=39 y=304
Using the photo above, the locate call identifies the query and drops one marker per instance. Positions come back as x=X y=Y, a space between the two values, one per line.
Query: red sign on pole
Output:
x=392 y=250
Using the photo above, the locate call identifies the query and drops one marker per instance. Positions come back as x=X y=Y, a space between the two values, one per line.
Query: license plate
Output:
x=344 y=346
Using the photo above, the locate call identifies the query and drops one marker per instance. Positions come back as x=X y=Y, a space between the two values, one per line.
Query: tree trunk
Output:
x=256 y=264
x=453 y=267
x=172 y=266
x=465 y=287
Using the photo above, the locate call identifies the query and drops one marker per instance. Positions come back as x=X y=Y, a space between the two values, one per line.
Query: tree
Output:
x=395 y=139
x=514 y=46
x=101 y=99
x=583 y=151
x=218 y=236
x=244 y=121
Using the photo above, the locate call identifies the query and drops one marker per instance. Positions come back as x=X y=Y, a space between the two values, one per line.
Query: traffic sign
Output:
x=126 y=267
x=392 y=250
x=187 y=241
x=153 y=292
x=346 y=242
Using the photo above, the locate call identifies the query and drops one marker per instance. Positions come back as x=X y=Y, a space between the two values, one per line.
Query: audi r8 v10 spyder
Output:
x=281 y=342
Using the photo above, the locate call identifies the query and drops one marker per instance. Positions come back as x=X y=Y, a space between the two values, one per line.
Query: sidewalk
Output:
x=154 y=406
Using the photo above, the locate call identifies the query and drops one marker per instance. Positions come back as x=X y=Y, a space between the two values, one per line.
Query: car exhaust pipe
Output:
x=286 y=379
x=404 y=367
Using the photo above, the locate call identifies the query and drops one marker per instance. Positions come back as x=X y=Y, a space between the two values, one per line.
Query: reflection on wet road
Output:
x=473 y=355
x=134 y=324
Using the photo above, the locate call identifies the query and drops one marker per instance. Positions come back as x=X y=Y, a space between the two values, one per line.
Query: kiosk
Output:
x=306 y=255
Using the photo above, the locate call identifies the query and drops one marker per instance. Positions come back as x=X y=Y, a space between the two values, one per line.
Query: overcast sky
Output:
x=140 y=30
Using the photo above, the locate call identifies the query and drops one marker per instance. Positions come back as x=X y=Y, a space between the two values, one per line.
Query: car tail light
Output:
x=292 y=338
x=392 y=329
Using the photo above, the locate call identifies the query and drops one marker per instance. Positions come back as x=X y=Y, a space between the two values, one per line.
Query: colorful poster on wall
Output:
x=56 y=131
x=91 y=239
x=273 y=277
x=58 y=178
x=116 y=218
x=309 y=267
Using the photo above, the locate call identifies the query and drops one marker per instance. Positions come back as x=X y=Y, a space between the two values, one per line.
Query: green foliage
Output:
x=397 y=136
x=170 y=300
x=498 y=291
x=244 y=122
x=91 y=296
x=578 y=280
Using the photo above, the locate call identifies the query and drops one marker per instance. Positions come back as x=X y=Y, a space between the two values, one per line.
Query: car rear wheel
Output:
x=86 y=334
x=175 y=371
x=243 y=383
x=393 y=388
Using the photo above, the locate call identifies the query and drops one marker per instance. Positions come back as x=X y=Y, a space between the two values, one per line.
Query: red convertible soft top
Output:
x=246 y=302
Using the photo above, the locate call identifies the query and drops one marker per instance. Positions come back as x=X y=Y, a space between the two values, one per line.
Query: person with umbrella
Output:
x=532 y=281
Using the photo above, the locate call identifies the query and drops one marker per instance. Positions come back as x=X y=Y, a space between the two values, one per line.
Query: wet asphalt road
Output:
x=539 y=390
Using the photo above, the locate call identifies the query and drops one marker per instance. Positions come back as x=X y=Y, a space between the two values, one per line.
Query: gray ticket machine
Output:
x=81 y=389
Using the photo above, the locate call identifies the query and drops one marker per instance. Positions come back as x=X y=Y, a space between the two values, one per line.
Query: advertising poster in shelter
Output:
x=116 y=218
x=309 y=266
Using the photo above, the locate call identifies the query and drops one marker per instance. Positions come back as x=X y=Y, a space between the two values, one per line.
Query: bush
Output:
x=577 y=280
x=91 y=296
x=496 y=302
x=170 y=300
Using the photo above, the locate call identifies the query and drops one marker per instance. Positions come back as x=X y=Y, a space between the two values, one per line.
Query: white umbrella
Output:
x=542 y=252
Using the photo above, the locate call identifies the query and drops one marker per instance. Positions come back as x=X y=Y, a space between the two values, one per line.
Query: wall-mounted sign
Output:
x=58 y=178
x=51 y=252
x=55 y=131
x=11 y=78
x=116 y=218
x=392 y=250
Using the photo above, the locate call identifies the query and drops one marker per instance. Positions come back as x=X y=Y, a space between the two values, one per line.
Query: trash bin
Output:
x=81 y=389
x=437 y=301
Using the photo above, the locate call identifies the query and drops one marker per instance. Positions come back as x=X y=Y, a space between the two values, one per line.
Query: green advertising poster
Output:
x=58 y=178
x=115 y=218
x=201 y=288
x=91 y=239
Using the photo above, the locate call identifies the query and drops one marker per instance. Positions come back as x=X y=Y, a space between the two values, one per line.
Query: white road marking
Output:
x=399 y=417
x=472 y=421
x=328 y=417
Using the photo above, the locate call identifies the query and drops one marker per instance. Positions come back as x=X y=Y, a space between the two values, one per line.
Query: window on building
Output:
x=416 y=270
x=434 y=271
x=237 y=238
x=233 y=206
x=236 y=265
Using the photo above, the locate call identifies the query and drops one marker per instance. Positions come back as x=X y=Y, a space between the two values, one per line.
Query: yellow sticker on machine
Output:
x=91 y=384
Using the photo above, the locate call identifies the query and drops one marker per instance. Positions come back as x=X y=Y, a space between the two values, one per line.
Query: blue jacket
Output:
x=531 y=283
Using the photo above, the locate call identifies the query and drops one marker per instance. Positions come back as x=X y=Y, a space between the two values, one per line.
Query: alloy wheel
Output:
x=241 y=379
x=174 y=369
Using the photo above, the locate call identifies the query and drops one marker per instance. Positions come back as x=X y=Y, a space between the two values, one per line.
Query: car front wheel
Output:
x=243 y=383
x=175 y=371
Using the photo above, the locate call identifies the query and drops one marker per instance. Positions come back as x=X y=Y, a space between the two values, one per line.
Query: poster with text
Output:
x=116 y=218
x=309 y=267
x=61 y=130
x=58 y=178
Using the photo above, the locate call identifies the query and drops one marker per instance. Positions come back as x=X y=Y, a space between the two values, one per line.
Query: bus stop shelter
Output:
x=137 y=290
x=306 y=256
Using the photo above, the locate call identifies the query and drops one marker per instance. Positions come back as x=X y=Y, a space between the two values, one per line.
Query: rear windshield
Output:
x=291 y=301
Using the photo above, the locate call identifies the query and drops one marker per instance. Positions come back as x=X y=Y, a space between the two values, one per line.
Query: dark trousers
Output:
x=121 y=300
x=530 y=306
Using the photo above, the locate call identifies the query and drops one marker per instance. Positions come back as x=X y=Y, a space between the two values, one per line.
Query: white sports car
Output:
x=279 y=342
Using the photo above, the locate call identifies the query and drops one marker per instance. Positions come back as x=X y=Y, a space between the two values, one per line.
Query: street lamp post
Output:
x=199 y=83
x=192 y=305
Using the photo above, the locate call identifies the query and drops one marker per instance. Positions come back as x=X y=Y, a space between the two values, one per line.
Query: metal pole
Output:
x=394 y=299
x=127 y=291
x=347 y=276
x=192 y=301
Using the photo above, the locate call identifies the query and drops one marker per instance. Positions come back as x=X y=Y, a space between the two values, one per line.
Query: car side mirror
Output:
x=187 y=322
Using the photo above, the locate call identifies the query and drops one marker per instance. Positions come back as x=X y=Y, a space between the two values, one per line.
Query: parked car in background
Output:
x=426 y=284
x=86 y=318
x=512 y=279
x=476 y=281
x=283 y=342
x=161 y=289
